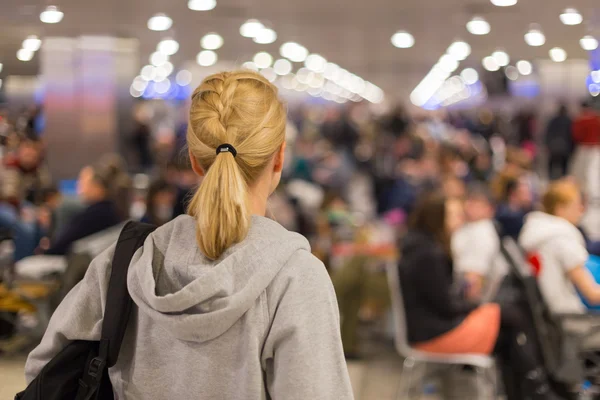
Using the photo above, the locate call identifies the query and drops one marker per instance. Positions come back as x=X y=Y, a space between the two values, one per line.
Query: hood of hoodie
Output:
x=197 y=299
x=540 y=228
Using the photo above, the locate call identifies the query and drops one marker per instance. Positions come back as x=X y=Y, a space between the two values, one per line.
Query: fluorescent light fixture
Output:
x=212 y=41
x=525 y=68
x=202 y=5
x=490 y=64
x=24 y=55
x=206 y=58
x=470 y=76
x=263 y=59
x=504 y=3
x=159 y=22
x=282 y=67
x=459 y=50
x=571 y=17
x=478 y=26
x=501 y=58
x=265 y=36
x=32 y=43
x=183 y=77
x=557 y=54
x=51 y=15
x=251 y=28
x=535 y=37
x=403 y=40
x=589 y=43
x=168 y=46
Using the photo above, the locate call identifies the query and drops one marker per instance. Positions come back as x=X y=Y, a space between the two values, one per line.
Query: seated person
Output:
x=516 y=202
x=160 y=201
x=440 y=321
x=101 y=213
x=481 y=262
x=24 y=176
x=552 y=237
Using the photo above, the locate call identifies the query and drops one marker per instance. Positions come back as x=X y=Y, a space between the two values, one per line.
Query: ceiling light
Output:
x=265 y=36
x=263 y=59
x=251 y=28
x=157 y=58
x=164 y=70
x=24 y=55
x=282 y=67
x=250 y=65
x=269 y=73
x=183 y=77
x=211 y=41
x=1 y=66
x=490 y=64
x=294 y=51
x=206 y=58
x=525 y=68
x=32 y=43
x=139 y=84
x=470 y=76
x=51 y=15
x=159 y=22
x=595 y=76
x=162 y=87
x=459 y=50
x=557 y=54
x=331 y=71
x=133 y=92
x=594 y=90
x=168 y=46
x=478 y=26
x=202 y=5
x=448 y=63
x=511 y=73
x=504 y=3
x=535 y=37
x=403 y=40
x=571 y=17
x=315 y=63
x=501 y=57
x=148 y=73
x=589 y=43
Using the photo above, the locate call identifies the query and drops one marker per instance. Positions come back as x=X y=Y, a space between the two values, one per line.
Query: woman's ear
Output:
x=279 y=159
x=195 y=166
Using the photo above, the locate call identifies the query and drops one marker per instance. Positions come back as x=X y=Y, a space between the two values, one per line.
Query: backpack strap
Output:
x=117 y=309
x=118 y=301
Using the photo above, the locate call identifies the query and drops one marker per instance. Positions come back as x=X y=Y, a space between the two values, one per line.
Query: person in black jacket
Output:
x=439 y=320
x=101 y=212
x=559 y=143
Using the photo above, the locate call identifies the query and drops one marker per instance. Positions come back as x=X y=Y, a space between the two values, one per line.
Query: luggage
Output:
x=80 y=370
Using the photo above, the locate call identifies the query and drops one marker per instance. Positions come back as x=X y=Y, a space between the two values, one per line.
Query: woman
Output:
x=554 y=241
x=231 y=305
x=93 y=187
x=160 y=201
x=440 y=321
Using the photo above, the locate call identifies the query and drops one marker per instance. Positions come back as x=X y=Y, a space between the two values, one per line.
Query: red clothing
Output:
x=586 y=129
x=477 y=334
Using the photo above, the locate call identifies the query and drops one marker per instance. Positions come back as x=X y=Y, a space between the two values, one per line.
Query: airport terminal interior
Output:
x=347 y=199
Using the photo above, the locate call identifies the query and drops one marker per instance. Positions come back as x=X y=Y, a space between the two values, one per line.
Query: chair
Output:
x=484 y=365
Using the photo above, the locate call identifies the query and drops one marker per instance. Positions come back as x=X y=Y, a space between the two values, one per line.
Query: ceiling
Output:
x=354 y=34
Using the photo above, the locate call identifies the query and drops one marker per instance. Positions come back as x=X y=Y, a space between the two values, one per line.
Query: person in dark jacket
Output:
x=559 y=143
x=516 y=201
x=440 y=321
x=101 y=212
x=160 y=202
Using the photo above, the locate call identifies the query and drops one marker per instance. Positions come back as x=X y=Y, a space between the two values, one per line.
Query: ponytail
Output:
x=221 y=207
x=241 y=108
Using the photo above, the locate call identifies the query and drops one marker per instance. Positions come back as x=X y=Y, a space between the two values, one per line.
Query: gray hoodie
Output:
x=261 y=322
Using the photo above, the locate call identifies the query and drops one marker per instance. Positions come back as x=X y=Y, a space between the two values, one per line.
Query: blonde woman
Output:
x=230 y=305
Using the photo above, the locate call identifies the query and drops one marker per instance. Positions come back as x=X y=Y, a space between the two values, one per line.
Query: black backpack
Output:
x=80 y=370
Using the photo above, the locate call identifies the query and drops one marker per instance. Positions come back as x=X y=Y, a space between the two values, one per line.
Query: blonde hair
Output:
x=560 y=193
x=241 y=109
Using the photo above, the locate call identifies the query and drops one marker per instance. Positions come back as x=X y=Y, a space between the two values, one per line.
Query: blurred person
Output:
x=121 y=185
x=93 y=188
x=557 y=250
x=559 y=143
x=525 y=122
x=223 y=280
x=399 y=122
x=586 y=136
x=454 y=187
x=160 y=201
x=187 y=182
x=515 y=202
x=24 y=176
x=477 y=264
x=141 y=140
x=441 y=321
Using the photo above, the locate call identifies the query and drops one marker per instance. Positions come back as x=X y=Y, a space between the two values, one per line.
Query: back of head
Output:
x=559 y=193
x=241 y=109
x=429 y=216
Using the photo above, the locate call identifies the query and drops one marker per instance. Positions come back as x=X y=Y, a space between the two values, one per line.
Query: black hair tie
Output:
x=226 y=148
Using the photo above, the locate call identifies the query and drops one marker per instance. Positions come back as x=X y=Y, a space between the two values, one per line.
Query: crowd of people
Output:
x=434 y=194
